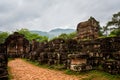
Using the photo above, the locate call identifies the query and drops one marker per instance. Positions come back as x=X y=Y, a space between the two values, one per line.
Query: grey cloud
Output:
x=48 y=14
x=6 y=6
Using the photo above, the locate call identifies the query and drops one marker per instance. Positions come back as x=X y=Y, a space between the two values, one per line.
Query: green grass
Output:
x=89 y=75
x=100 y=75
x=10 y=77
x=9 y=59
x=70 y=72
x=54 y=67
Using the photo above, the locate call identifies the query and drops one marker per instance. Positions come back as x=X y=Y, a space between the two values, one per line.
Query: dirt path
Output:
x=21 y=70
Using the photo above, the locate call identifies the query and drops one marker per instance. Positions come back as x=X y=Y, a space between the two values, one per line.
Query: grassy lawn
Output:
x=89 y=75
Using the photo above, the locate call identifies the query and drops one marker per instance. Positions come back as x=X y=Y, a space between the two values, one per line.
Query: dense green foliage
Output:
x=115 y=32
x=113 y=26
x=115 y=21
x=100 y=33
x=30 y=36
x=3 y=36
x=67 y=36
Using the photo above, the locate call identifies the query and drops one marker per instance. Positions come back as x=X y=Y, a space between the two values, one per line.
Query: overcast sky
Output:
x=45 y=15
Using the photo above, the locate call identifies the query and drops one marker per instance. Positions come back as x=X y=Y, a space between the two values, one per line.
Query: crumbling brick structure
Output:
x=16 y=44
x=78 y=62
x=88 y=29
x=84 y=53
x=3 y=62
x=3 y=66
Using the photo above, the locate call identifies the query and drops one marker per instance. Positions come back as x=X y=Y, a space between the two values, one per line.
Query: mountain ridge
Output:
x=54 y=32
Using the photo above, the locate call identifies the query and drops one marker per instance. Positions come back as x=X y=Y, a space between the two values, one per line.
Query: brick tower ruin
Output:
x=88 y=29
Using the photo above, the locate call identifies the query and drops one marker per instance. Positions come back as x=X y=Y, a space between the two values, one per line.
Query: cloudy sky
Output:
x=45 y=15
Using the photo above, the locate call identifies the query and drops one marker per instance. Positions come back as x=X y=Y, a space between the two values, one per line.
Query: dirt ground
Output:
x=21 y=70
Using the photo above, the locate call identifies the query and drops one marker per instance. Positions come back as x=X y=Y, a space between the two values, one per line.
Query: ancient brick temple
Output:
x=17 y=44
x=88 y=29
x=75 y=54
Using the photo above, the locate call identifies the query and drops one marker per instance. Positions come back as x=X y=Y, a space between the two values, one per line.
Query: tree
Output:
x=25 y=32
x=103 y=31
x=72 y=35
x=115 y=32
x=113 y=26
x=44 y=39
x=64 y=36
x=30 y=36
x=3 y=36
x=67 y=36
x=114 y=22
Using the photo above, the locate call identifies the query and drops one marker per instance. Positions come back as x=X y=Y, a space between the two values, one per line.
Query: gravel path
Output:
x=21 y=70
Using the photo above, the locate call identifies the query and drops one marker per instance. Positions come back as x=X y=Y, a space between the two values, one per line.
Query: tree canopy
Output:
x=3 y=36
x=115 y=21
x=30 y=36
x=115 y=32
x=112 y=27
x=68 y=36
